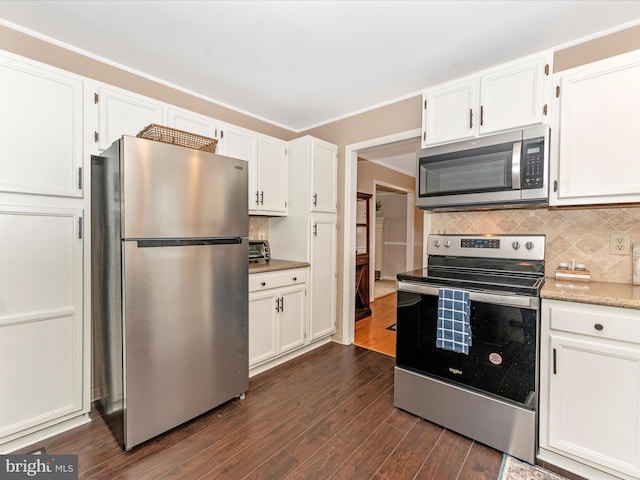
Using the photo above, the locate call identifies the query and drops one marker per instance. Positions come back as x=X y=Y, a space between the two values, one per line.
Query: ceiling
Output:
x=300 y=64
x=400 y=156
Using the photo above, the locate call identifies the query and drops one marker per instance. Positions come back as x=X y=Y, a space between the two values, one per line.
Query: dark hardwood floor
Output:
x=328 y=414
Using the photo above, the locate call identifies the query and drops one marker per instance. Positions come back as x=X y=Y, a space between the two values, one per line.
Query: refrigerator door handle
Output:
x=190 y=242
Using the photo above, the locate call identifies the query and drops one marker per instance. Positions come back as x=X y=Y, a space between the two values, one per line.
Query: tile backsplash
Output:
x=258 y=228
x=580 y=234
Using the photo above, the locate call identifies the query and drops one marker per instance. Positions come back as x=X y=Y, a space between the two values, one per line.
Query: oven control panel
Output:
x=480 y=243
x=530 y=247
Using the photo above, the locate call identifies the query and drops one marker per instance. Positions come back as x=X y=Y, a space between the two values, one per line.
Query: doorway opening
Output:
x=395 y=232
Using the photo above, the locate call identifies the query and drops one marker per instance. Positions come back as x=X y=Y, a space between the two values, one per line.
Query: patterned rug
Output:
x=514 y=469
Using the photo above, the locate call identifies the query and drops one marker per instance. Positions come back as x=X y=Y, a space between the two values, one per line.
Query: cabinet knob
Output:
x=295 y=279
x=598 y=326
x=263 y=283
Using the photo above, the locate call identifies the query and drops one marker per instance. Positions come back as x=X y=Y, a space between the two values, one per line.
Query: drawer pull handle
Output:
x=598 y=326
x=263 y=283
x=295 y=279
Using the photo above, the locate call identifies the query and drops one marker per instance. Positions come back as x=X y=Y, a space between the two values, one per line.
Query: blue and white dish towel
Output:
x=454 y=328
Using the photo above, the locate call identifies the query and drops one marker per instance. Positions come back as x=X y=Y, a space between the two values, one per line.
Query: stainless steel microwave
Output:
x=504 y=170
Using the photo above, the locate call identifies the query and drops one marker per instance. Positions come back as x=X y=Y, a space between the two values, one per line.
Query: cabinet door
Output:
x=41 y=318
x=272 y=175
x=191 y=122
x=40 y=129
x=594 y=401
x=263 y=327
x=323 y=177
x=512 y=97
x=242 y=144
x=293 y=317
x=124 y=113
x=597 y=161
x=323 y=276
x=451 y=113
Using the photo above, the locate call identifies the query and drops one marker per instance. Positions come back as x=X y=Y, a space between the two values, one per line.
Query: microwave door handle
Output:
x=516 y=155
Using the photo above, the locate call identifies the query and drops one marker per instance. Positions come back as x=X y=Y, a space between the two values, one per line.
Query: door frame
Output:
x=349 y=222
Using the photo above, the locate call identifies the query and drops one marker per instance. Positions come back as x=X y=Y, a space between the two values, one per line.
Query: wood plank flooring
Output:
x=328 y=414
x=371 y=332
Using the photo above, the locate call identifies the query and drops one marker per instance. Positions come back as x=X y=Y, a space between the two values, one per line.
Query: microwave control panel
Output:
x=533 y=164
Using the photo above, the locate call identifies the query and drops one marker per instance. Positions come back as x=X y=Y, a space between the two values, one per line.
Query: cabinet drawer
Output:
x=597 y=321
x=281 y=278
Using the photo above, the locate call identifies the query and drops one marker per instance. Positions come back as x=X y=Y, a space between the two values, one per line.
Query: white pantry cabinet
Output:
x=590 y=389
x=41 y=319
x=594 y=157
x=278 y=314
x=507 y=97
x=44 y=322
x=309 y=233
x=41 y=142
x=323 y=238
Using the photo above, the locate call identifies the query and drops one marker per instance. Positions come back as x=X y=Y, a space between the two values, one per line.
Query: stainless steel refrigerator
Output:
x=169 y=285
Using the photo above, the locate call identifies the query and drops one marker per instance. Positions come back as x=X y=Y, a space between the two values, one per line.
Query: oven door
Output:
x=503 y=356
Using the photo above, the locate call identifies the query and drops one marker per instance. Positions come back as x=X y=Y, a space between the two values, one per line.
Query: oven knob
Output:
x=437 y=243
x=447 y=243
x=515 y=245
x=528 y=245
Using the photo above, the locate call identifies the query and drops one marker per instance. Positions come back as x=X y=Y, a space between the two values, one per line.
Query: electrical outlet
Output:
x=620 y=244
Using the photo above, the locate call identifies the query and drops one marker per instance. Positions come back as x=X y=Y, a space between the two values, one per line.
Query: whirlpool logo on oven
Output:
x=455 y=371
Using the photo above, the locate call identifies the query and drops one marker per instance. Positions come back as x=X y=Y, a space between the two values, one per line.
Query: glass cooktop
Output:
x=478 y=279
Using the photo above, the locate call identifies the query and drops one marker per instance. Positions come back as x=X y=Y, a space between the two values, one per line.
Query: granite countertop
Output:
x=275 y=265
x=622 y=295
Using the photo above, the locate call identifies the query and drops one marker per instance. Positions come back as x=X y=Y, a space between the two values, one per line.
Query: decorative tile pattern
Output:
x=580 y=234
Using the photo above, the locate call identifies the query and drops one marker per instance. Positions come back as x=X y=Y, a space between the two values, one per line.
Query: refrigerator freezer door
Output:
x=176 y=192
x=185 y=322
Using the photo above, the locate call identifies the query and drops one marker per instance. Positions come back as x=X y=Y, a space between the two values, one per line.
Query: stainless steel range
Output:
x=467 y=338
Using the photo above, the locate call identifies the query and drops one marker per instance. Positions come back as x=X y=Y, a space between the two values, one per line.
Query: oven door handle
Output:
x=499 y=299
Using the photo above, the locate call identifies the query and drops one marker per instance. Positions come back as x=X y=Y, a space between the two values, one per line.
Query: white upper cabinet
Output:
x=511 y=96
x=448 y=112
x=192 y=122
x=315 y=174
x=41 y=139
x=271 y=177
x=324 y=162
x=123 y=113
x=267 y=158
x=594 y=157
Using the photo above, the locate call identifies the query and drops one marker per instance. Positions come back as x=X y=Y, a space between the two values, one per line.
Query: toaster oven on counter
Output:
x=259 y=251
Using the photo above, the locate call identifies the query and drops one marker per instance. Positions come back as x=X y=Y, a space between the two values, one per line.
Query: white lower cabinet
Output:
x=41 y=321
x=278 y=314
x=590 y=389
